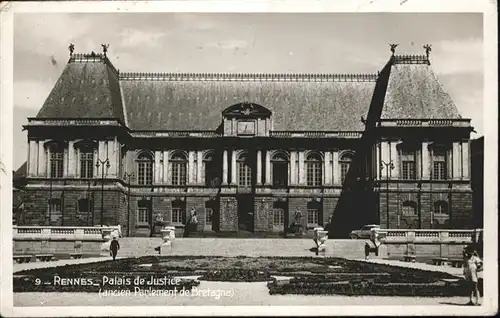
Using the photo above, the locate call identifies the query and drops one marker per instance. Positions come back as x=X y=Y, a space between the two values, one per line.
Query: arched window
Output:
x=145 y=168
x=211 y=170
x=244 y=171
x=408 y=157
x=439 y=167
x=441 y=207
x=56 y=161
x=280 y=170
x=314 y=170
x=178 y=166
x=345 y=164
x=409 y=208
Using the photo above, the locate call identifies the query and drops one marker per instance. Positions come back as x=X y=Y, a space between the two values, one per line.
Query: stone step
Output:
x=134 y=247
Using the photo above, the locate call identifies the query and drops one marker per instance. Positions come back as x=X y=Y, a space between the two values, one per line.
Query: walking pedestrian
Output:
x=472 y=265
x=114 y=247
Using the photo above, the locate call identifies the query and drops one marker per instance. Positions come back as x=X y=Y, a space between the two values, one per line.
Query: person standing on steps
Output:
x=114 y=247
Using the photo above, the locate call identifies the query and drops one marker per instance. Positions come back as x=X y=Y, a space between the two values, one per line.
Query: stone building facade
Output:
x=249 y=152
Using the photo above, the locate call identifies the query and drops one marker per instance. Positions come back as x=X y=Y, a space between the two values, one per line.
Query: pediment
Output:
x=247 y=109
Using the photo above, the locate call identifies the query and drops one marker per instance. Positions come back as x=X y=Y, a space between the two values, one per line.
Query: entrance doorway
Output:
x=245 y=213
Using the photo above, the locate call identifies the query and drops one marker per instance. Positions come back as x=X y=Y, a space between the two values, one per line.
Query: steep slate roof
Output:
x=162 y=104
x=414 y=92
x=87 y=88
x=90 y=87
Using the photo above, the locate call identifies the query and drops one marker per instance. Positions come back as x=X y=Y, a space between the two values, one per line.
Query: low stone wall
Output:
x=60 y=240
x=427 y=244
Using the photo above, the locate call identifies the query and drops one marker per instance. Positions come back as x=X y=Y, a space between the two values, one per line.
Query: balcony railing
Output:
x=423 y=236
x=66 y=233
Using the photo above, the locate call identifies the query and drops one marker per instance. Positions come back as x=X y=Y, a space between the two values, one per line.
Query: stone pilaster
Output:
x=166 y=174
x=32 y=158
x=72 y=158
x=268 y=167
x=293 y=167
x=336 y=167
x=259 y=167
x=199 y=166
x=225 y=169
x=377 y=161
x=456 y=160
x=42 y=159
x=302 y=168
x=327 y=170
x=234 y=179
x=465 y=160
x=426 y=160
x=394 y=174
x=157 y=167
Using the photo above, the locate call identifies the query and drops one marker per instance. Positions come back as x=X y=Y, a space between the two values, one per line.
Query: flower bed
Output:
x=237 y=275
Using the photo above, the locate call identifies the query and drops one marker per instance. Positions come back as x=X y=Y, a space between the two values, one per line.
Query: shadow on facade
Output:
x=358 y=203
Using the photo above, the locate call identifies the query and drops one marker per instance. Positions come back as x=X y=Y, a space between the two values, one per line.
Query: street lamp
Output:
x=128 y=176
x=388 y=167
x=103 y=164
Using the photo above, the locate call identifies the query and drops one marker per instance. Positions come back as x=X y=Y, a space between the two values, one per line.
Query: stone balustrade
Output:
x=61 y=233
x=422 y=236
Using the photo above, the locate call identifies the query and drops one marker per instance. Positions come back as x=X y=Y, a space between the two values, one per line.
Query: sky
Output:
x=246 y=43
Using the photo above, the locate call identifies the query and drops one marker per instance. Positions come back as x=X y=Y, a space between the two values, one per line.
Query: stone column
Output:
x=157 y=167
x=191 y=167
x=268 y=167
x=302 y=168
x=465 y=160
x=336 y=168
x=199 y=166
x=394 y=174
x=425 y=161
x=259 y=167
x=456 y=160
x=233 y=167
x=165 y=167
x=42 y=159
x=327 y=170
x=225 y=169
x=293 y=167
x=71 y=159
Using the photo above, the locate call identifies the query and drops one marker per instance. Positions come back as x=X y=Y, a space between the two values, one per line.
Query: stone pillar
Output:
x=71 y=159
x=327 y=170
x=199 y=166
x=233 y=167
x=116 y=158
x=456 y=160
x=65 y=162
x=293 y=167
x=259 y=167
x=302 y=168
x=32 y=158
x=165 y=166
x=377 y=161
x=268 y=167
x=426 y=160
x=225 y=169
x=191 y=167
x=465 y=160
x=336 y=168
x=47 y=156
x=394 y=174
x=42 y=159
x=157 y=167
x=385 y=154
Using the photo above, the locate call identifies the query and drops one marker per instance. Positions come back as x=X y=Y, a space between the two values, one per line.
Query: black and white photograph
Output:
x=267 y=158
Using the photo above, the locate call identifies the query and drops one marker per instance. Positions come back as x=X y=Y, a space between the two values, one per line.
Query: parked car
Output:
x=364 y=232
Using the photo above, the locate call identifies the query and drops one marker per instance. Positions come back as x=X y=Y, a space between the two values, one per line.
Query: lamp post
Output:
x=128 y=176
x=103 y=164
x=388 y=167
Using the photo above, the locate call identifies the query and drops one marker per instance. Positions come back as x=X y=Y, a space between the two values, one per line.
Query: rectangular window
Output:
x=143 y=212
x=312 y=216
x=408 y=168
x=84 y=205
x=208 y=215
x=245 y=175
x=179 y=173
x=177 y=215
x=314 y=174
x=145 y=170
x=56 y=164
x=278 y=217
x=280 y=174
x=86 y=164
x=54 y=211
x=439 y=164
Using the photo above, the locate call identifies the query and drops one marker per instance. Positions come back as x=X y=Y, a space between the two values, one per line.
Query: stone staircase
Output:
x=252 y=247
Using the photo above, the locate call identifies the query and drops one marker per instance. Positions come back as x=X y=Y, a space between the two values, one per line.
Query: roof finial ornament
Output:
x=105 y=48
x=393 y=48
x=428 y=49
x=71 y=49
